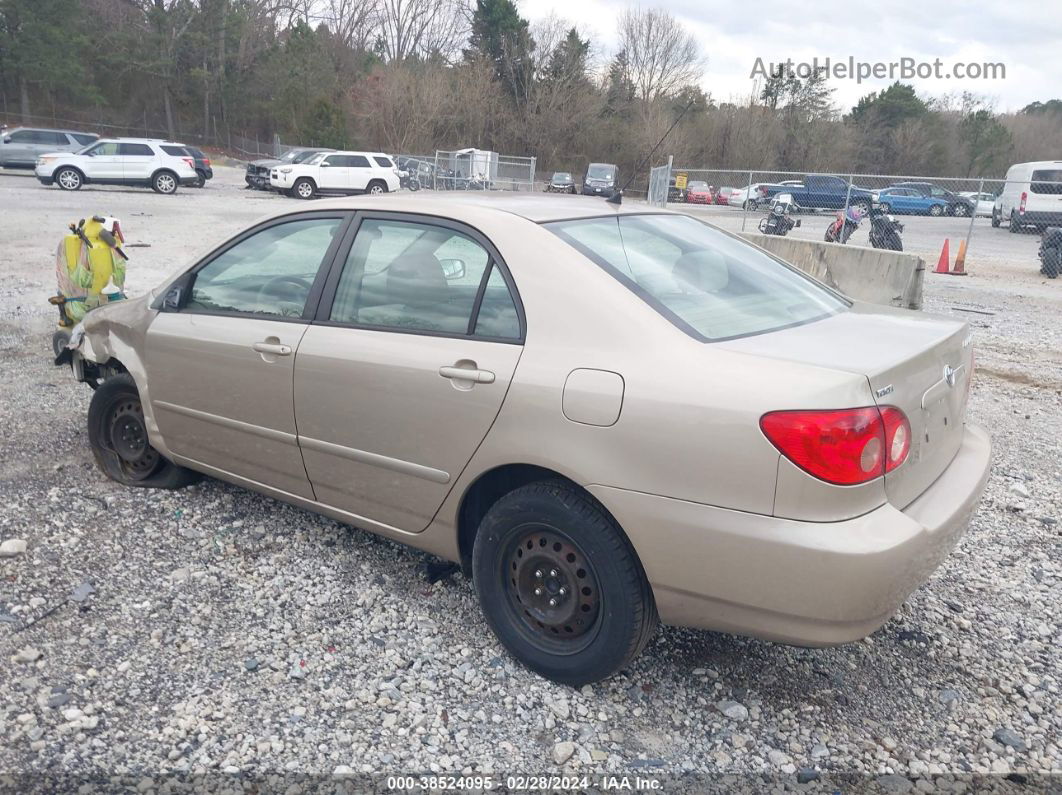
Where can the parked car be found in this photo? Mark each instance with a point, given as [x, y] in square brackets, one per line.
[752, 196]
[477, 376]
[722, 195]
[21, 146]
[120, 161]
[561, 182]
[600, 179]
[909, 200]
[957, 205]
[258, 171]
[983, 203]
[201, 163]
[826, 192]
[1031, 196]
[698, 192]
[336, 173]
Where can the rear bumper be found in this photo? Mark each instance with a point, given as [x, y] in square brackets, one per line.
[1040, 218]
[804, 583]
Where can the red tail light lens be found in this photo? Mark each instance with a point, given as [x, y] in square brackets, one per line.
[206, 161]
[844, 446]
[190, 161]
[1024, 198]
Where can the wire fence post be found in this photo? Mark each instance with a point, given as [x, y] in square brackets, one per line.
[745, 204]
[534, 161]
[969, 230]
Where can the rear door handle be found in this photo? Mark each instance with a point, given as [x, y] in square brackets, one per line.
[466, 374]
[272, 347]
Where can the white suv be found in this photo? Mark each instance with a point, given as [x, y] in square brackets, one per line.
[120, 161]
[336, 173]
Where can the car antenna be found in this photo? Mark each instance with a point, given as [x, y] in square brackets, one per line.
[617, 195]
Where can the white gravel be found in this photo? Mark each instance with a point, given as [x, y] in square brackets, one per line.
[216, 631]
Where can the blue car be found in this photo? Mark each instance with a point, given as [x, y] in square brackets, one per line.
[908, 200]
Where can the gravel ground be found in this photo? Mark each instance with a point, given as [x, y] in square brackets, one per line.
[214, 631]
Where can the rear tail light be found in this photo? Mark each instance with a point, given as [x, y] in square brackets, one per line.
[190, 161]
[844, 446]
[206, 161]
[1024, 198]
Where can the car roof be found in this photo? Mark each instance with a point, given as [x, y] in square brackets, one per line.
[466, 205]
[10, 130]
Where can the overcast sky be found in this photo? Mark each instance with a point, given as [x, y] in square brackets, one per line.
[1024, 35]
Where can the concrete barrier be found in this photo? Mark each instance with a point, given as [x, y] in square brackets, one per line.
[866, 274]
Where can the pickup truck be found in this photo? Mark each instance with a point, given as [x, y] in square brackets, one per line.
[825, 192]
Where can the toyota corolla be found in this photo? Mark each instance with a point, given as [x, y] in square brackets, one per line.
[608, 415]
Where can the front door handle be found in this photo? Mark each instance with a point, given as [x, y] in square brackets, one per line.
[467, 374]
[273, 348]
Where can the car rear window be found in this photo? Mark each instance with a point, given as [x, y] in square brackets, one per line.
[84, 139]
[176, 151]
[358, 161]
[709, 284]
[1046, 181]
[141, 150]
[383, 162]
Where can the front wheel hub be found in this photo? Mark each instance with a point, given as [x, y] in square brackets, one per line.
[129, 438]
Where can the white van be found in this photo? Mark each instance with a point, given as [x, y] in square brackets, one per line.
[1032, 196]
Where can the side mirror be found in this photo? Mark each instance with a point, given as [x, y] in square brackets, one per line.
[325, 164]
[453, 269]
[176, 296]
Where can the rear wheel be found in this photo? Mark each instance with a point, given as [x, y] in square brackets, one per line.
[376, 187]
[1015, 225]
[960, 210]
[119, 439]
[304, 189]
[560, 584]
[996, 221]
[886, 207]
[862, 205]
[201, 178]
[164, 182]
[1052, 262]
[69, 179]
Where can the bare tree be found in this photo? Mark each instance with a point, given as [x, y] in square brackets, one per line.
[421, 27]
[662, 57]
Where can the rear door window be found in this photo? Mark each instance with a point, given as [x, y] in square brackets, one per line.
[358, 161]
[138, 150]
[83, 139]
[1046, 181]
[176, 151]
[709, 284]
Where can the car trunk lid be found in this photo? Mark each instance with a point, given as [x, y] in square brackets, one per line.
[918, 363]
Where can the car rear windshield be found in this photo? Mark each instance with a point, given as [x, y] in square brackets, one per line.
[1046, 181]
[176, 151]
[712, 286]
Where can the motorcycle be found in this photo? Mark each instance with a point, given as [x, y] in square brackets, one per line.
[777, 221]
[885, 230]
[407, 176]
[1051, 252]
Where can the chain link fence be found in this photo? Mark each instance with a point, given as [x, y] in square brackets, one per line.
[481, 169]
[961, 219]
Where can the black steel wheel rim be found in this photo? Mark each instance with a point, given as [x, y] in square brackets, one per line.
[552, 589]
[128, 437]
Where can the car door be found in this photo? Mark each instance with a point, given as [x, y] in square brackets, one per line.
[405, 368]
[102, 162]
[360, 172]
[219, 363]
[138, 161]
[20, 147]
[334, 173]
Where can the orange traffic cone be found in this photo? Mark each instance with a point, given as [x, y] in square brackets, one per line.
[960, 260]
[943, 264]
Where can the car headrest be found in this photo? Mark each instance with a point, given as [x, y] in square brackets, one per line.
[703, 270]
[417, 280]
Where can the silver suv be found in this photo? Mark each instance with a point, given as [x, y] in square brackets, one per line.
[20, 147]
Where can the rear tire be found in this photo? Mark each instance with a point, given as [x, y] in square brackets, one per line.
[960, 211]
[376, 187]
[1015, 226]
[1052, 262]
[202, 179]
[164, 182]
[304, 189]
[118, 436]
[885, 207]
[560, 584]
[996, 221]
[69, 179]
